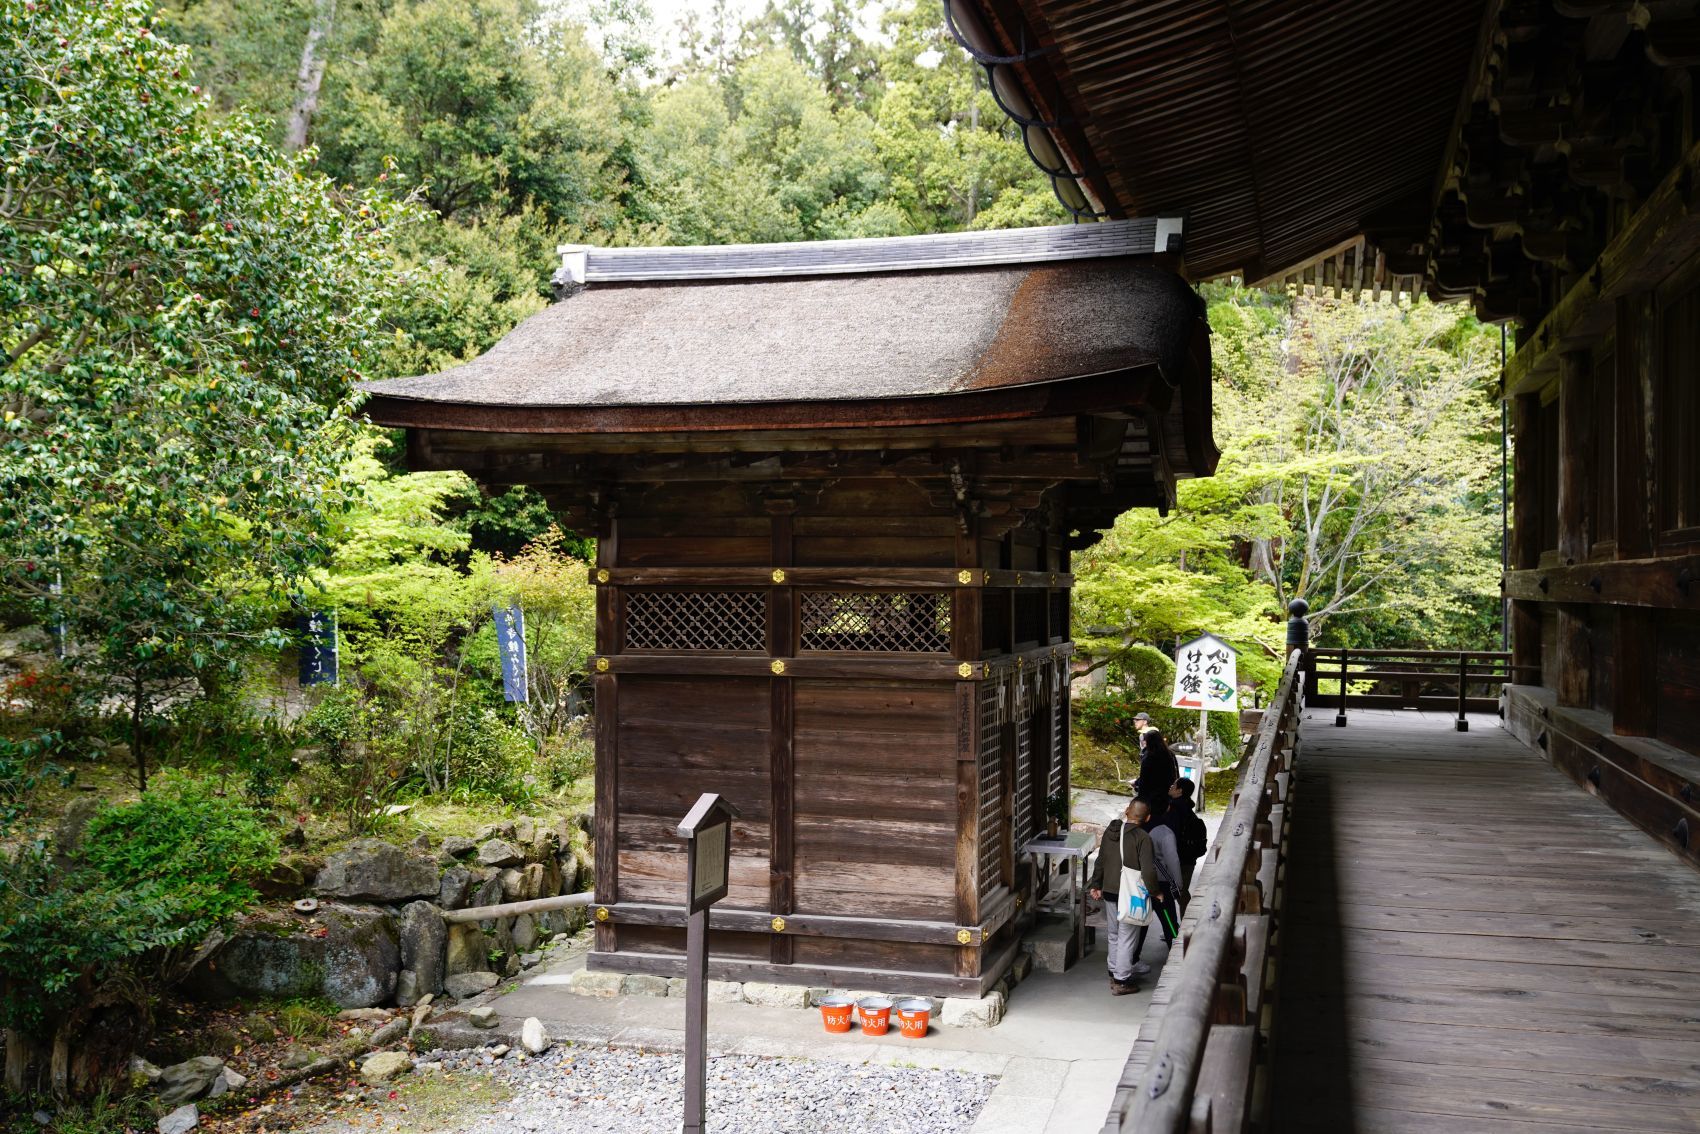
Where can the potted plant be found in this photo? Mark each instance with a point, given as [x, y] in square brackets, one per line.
[1056, 812]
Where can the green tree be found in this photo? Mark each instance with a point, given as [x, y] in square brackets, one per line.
[485, 104]
[1383, 427]
[182, 313]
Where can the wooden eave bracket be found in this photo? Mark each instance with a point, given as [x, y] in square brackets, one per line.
[1662, 236]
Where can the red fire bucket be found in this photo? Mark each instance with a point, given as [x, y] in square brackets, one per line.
[835, 1013]
[876, 1015]
[913, 1016]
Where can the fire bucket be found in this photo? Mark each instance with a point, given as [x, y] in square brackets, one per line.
[913, 1016]
[835, 1013]
[876, 1015]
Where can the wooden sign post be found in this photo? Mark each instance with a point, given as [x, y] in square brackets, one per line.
[708, 834]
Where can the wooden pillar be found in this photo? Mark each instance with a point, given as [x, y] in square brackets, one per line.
[782, 638]
[1575, 454]
[965, 646]
[1634, 680]
[606, 708]
[1634, 472]
[1525, 536]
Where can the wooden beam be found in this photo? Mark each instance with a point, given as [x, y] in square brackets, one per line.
[727, 919]
[851, 578]
[1664, 583]
[831, 976]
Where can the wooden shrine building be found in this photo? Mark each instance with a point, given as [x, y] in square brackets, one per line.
[835, 489]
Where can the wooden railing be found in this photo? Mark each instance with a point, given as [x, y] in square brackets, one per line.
[1200, 1053]
[1409, 679]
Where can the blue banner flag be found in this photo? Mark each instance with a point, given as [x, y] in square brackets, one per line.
[510, 643]
[318, 647]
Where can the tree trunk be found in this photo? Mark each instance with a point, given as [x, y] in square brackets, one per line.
[308, 77]
[59, 1074]
[138, 711]
[19, 1049]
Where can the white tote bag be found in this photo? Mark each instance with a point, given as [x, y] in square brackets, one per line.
[1133, 901]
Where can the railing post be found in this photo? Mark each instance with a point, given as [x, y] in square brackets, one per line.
[1340, 717]
[1463, 678]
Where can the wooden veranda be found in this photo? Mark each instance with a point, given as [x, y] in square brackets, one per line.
[1407, 928]
[1470, 943]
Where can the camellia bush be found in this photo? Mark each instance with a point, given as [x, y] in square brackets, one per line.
[90, 934]
[183, 315]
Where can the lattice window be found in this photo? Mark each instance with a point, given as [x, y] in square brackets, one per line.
[734, 621]
[893, 622]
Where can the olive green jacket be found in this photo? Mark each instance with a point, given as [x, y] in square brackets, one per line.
[1107, 871]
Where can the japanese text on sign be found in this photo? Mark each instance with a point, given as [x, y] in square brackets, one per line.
[510, 643]
[1206, 676]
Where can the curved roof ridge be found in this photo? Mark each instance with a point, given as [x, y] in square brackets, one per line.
[1138, 236]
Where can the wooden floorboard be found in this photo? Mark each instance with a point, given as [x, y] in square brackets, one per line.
[1472, 943]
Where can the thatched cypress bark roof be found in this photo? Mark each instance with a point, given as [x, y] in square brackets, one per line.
[827, 338]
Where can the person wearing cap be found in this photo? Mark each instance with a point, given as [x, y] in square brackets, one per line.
[1141, 722]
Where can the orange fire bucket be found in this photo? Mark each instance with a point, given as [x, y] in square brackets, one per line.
[913, 1016]
[876, 1015]
[835, 1013]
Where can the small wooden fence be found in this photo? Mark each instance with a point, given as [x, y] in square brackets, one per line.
[1203, 1048]
[1409, 679]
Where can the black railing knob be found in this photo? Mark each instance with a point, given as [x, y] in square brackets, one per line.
[1596, 583]
[1686, 791]
[1680, 831]
[1594, 775]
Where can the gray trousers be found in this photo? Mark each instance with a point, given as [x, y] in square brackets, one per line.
[1120, 941]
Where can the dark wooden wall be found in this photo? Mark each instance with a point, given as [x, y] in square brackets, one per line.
[874, 677]
[1605, 577]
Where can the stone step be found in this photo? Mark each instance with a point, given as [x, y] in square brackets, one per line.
[1052, 942]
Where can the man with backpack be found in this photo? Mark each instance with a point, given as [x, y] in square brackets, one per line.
[1192, 839]
[1125, 841]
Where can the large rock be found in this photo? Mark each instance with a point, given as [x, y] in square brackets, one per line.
[468, 951]
[180, 1121]
[462, 986]
[972, 1012]
[523, 933]
[533, 1038]
[385, 1066]
[68, 832]
[499, 852]
[424, 941]
[355, 964]
[456, 885]
[189, 1080]
[776, 995]
[375, 871]
[525, 830]
[458, 846]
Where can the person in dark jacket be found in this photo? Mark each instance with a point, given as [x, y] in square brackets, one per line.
[1157, 771]
[1191, 837]
[1123, 836]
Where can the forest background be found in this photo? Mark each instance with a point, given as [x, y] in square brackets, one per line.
[220, 215]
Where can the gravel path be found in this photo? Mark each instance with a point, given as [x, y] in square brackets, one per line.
[569, 1090]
